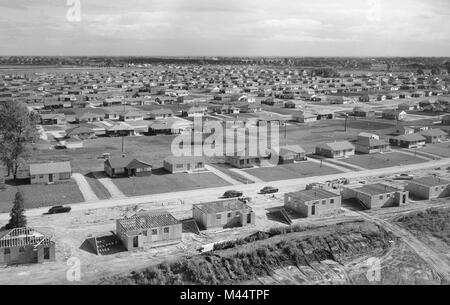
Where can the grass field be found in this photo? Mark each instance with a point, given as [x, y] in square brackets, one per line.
[163, 183]
[375, 161]
[84, 160]
[39, 195]
[440, 149]
[291, 171]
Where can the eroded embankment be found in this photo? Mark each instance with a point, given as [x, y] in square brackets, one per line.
[264, 252]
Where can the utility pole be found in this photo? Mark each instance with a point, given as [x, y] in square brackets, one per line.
[346, 118]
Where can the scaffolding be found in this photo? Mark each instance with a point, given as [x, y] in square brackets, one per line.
[22, 237]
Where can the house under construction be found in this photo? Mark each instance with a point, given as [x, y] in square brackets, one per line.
[25, 246]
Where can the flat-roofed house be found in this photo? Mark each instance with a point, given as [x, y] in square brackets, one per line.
[433, 135]
[367, 143]
[223, 213]
[414, 140]
[151, 228]
[315, 202]
[159, 114]
[364, 112]
[291, 153]
[394, 114]
[429, 187]
[376, 195]
[50, 172]
[336, 149]
[304, 117]
[184, 164]
[25, 246]
[53, 119]
[126, 166]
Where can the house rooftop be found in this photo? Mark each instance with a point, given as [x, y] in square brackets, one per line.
[376, 189]
[315, 194]
[335, 146]
[221, 206]
[50, 168]
[148, 220]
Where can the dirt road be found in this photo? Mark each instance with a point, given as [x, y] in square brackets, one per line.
[209, 194]
[432, 258]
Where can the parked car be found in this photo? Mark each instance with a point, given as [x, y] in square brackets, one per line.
[268, 190]
[57, 209]
[404, 177]
[232, 194]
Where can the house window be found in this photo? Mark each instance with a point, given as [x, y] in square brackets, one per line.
[229, 215]
[218, 216]
[166, 230]
[47, 253]
[388, 195]
[154, 231]
[436, 189]
[324, 202]
[332, 201]
[7, 251]
[179, 165]
[41, 176]
[381, 197]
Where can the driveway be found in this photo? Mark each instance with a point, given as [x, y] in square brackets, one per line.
[84, 187]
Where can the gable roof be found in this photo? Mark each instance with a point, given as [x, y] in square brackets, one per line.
[335, 146]
[221, 206]
[50, 168]
[126, 162]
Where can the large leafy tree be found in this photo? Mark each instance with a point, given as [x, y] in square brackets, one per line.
[17, 133]
[17, 214]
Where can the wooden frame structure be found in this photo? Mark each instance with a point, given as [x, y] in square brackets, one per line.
[21, 237]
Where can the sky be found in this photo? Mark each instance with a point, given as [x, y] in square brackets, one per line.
[225, 27]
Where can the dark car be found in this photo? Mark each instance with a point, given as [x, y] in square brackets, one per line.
[232, 194]
[57, 209]
[268, 190]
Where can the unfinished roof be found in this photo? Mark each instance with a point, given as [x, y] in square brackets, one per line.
[21, 237]
[310, 195]
[50, 168]
[430, 181]
[376, 189]
[222, 206]
[148, 220]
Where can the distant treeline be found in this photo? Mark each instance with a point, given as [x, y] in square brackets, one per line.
[299, 62]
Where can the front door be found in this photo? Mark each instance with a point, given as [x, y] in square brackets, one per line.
[50, 178]
[189, 167]
[313, 210]
[135, 241]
